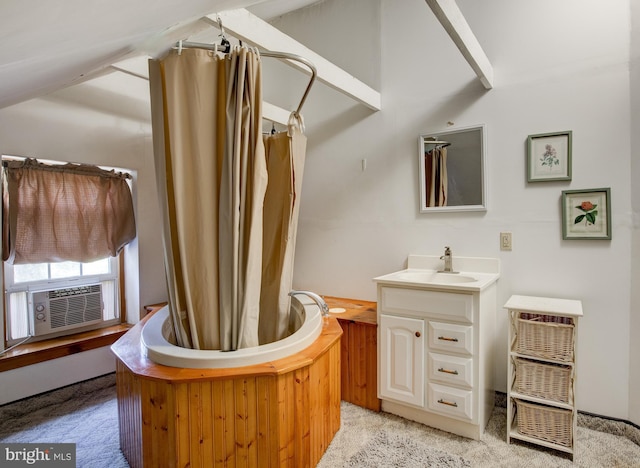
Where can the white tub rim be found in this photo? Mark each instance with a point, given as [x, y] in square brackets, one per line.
[158, 349]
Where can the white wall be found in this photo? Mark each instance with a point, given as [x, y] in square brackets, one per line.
[108, 130]
[634, 329]
[558, 66]
[23, 382]
[86, 124]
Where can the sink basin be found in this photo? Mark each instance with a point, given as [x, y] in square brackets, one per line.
[434, 277]
[424, 271]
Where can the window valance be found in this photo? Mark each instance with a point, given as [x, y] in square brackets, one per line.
[66, 212]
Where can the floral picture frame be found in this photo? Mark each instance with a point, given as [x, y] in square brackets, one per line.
[586, 214]
[549, 156]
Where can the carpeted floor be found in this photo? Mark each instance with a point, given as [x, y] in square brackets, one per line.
[86, 414]
[595, 449]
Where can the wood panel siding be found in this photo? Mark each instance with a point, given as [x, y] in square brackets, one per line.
[359, 350]
[278, 414]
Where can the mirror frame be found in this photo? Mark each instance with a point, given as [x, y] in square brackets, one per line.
[483, 178]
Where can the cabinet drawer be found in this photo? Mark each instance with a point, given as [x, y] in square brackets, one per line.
[451, 337]
[450, 401]
[451, 369]
[454, 306]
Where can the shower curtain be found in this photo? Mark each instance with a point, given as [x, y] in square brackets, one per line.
[285, 162]
[436, 177]
[212, 176]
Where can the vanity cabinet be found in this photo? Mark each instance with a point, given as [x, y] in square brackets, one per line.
[434, 351]
[541, 371]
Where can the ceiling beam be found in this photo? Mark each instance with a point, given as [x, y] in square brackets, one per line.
[135, 66]
[138, 67]
[454, 22]
[249, 28]
[276, 114]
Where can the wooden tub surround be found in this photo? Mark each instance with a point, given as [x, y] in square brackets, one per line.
[282, 413]
[359, 350]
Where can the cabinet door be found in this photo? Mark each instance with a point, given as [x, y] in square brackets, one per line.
[402, 359]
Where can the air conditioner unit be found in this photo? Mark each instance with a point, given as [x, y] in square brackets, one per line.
[59, 310]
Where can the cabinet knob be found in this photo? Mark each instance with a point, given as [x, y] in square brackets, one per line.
[418, 334]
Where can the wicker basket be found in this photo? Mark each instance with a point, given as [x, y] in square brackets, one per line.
[542, 337]
[544, 422]
[543, 380]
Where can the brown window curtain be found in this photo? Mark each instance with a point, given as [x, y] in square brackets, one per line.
[70, 212]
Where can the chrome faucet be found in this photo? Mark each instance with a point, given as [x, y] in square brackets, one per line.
[324, 308]
[447, 261]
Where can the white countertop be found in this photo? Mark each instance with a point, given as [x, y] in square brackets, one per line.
[399, 278]
[472, 274]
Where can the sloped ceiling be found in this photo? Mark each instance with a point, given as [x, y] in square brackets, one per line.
[49, 45]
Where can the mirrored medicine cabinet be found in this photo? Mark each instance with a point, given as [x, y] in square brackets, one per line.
[452, 170]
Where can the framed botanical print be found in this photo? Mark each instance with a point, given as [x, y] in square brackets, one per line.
[586, 214]
[549, 157]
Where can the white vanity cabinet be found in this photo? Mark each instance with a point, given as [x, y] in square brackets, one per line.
[435, 348]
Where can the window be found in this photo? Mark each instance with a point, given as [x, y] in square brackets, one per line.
[54, 212]
[22, 281]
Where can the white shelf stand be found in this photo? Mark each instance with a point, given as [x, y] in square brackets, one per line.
[542, 371]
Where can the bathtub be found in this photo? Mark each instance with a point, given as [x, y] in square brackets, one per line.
[158, 341]
[272, 405]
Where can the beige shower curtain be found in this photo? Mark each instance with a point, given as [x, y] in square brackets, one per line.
[212, 178]
[285, 161]
[436, 177]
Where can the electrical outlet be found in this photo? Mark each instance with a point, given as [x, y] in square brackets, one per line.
[505, 241]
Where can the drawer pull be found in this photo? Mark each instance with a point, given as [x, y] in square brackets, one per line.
[418, 334]
[448, 371]
[446, 338]
[448, 403]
